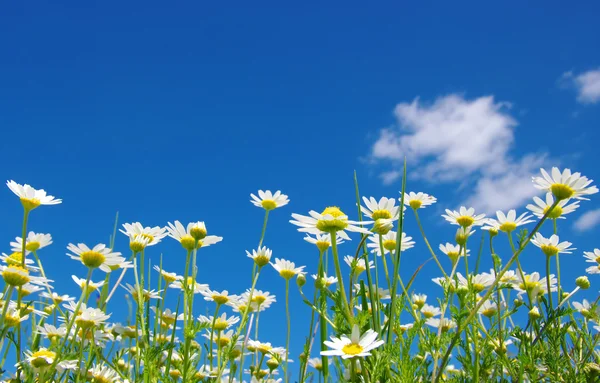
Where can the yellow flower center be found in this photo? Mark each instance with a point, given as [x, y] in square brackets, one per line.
[389, 244]
[30, 203]
[198, 232]
[174, 373]
[39, 359]
[264, 348]
[555, 213]
[137, 246]
[15, 258]
[223, 341]
[188, 242]
[352, 349]
[378, 214]
[268, 204]
[415, 204]
[507, 227]
[323, 245]
[235, 353]
[478, 287]
[15, 276]
[287, 274]
[465, 220]
[168, 278]
[220, 299]
[272, 363]
[528, 285]
[489, 312]
[427, 314]
[562, 191]
[340, 221]
[12, 321]
[549, 250]
[92, 259]
[259, 299]
[32, 246]
[220, 324]
[453, 255]
[261, 260]
[85, 323]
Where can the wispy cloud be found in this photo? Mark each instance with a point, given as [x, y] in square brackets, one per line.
[455, 139]
[588, 221]
[587, 85]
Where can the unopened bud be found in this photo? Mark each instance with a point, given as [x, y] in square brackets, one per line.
[583, 283]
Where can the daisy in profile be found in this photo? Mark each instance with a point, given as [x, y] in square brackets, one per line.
[592, 256]
[51, 332]
[541, 207]
[30, 197]
[533, 284]
[551, 246]
[331, 220]
[92, 286]
[150, 235]
[33, 242]
[444, 323]
[565, 185]
[268, 200]
[16, 259]
[429, 311]
[98, 257]
[418, 200]
[585, 308]
[356, 345]
[262, 299]
[41, 359]
[219, 298]
[168, 277]
[193, 236]
[316, 363]
[452, 251]
[91, 317]
[192, 285]
[325, 281]
[261, 256]
[509, 222]
[389, 243]
[146, 294]
[359, 266]
[385, 208]
[57, 298]
[323, 241]
[464, 217]
[103, 373]
[221, 323]
[286, 269]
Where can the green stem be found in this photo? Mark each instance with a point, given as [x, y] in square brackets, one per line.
[548, 285]
[264, 228]
[338, 272]
[387, 275]
[289, 328]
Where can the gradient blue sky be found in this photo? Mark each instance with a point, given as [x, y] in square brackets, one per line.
[180, 110]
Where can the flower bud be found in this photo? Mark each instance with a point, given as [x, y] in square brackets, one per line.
[383, 226]
[300, 280]
[583, 283]
[534, 313]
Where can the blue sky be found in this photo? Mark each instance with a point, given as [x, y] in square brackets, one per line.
[181, 110]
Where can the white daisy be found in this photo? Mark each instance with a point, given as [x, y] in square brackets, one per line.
[98, 257]
[389, 243]
[323, 241]
[464, 217]
[331, 220]
[452, 251]
[268, 200]
[91, 317]
[30, 197]
[92, 286]
[325, 281]
[419, 300]
[429, 311]
[384, 209]
[168, 277]
[17, 276]
[150, 235]
[192, 285]
[264, 299]
[355, 346]
[592, 256]
[359, 267]
[551, 246]
[445, 323]
[565, 185]
[219, 298]
[33, 242]
[585, 308]
[261, 256]
[418, 200]
[533, 284]
[286, 269]
[221, 323]
[189, 236]
[147, 294]
[541, 207]
[41, 359]
[509, 222]
[57, 298]
[103, 373]
[52, 332]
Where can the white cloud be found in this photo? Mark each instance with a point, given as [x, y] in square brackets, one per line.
[588, 220]
[457, 139]
[587, 85]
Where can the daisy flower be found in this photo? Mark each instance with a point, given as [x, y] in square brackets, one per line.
[541, 207]
[191, 285]
[565, 185]
[57, 298]
[418, 200]
[389, 243]
[316, 363]
[429, 311]
[33, 242]
[30, 197]
[17, 276]
[584, 308]
[592, 256]
[90, 317]
[445, 324]
[325, 281]
[190, 236]
[464, 217]
[384, 209]
[463, 234]
[168, 316]
[51, 332]
[359, 267]
[219, 298]
[533, 284]
[98, 257]
[331, 220]
[168, 277]
[221, 323]
[323, 241]
[13, 316]
[452, 251]
[286, 269]
[150, 235]
[263, 299]
[261, 256]
[16, 259]
[41, 359]
[356, 345]
[510, 221]
[92, 286]
[419, 300]
[268, 200]
[489, 309]
[147, 294]
[551, 246]
[103, 373]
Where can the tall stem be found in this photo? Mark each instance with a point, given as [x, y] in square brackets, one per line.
[338, 272]
[289, 328]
